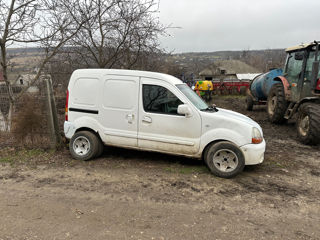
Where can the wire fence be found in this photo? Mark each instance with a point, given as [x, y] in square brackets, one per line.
[35, 118]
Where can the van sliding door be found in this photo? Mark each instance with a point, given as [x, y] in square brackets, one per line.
[119, 110]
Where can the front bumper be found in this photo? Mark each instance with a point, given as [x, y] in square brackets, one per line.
[254, 153]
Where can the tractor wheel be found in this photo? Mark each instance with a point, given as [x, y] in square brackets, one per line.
[277, 104]
[308, 123]
[249, 103]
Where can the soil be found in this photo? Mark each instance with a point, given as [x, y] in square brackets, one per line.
[127, 194]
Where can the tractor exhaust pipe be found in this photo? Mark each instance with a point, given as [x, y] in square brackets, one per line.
[315, 67]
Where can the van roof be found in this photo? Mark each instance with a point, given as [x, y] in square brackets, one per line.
[155, 75]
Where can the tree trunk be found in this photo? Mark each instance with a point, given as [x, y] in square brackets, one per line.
[8, 118]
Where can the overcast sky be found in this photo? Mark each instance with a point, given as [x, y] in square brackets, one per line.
[213, 25]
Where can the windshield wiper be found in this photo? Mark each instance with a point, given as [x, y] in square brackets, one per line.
[210, 108]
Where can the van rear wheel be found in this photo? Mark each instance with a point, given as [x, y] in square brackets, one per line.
[100, 148]
[224, 159]
[84, 145]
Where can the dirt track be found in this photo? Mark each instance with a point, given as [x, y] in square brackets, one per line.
[138, 195]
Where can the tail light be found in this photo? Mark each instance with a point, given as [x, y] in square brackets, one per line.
[318, 85]
[67, 103]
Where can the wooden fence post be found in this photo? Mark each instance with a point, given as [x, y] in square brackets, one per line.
[52, 115]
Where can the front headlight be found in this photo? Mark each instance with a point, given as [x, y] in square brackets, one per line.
[256, 136]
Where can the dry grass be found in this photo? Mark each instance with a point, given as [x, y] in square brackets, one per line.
[29, 124]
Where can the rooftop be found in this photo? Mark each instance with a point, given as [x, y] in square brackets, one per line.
[229, 67]
[301, 46]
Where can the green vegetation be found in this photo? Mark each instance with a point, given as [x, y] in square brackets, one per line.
[5, 159]
[14, 156]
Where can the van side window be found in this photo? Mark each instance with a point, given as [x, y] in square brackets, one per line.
[157, 99]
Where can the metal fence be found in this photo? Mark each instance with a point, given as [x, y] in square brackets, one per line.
[35, 120]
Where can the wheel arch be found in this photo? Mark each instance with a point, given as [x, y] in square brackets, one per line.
[215, 142]
[308, 100]
[285, 84]
[86, 123]
[236, 136]
[209, 144]
[89, 130]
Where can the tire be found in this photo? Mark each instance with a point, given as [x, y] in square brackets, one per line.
[100, 148]
[277, 104]
[84, 145]
[249, 103]
[224, 159]
[308, 123]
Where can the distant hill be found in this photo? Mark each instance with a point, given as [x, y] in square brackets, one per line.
[24, 50]
[186, 63]
[263, 60]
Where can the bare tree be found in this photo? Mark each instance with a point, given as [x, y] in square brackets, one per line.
[264, 60]
[117, 33]
[42, 23]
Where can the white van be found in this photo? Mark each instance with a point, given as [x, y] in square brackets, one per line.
[156, 112]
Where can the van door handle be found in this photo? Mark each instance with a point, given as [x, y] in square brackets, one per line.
[130, 117]
[147, 119]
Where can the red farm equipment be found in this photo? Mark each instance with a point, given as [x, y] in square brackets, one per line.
[230, 86]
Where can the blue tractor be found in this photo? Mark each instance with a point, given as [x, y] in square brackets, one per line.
[293, 91]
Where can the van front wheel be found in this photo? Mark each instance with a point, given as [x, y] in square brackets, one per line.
[84, 145]
[224, 159]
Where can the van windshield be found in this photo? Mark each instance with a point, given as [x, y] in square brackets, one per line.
[192, 96]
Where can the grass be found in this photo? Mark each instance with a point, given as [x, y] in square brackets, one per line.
[274, 163]
[33, 152]
[14, 156]
[5, 159]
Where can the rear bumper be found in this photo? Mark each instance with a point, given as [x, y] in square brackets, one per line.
[254, 153]
[69, 129]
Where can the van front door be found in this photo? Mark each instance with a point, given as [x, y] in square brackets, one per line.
[119, 114]
[161, 128]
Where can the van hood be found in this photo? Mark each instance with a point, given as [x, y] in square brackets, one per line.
[229, 125]
[229, 115]
[238, 116]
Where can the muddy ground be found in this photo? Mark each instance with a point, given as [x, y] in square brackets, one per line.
[128, 194]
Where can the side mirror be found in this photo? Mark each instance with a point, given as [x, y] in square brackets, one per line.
[184, 109]
[314, 74]
[298, 56]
